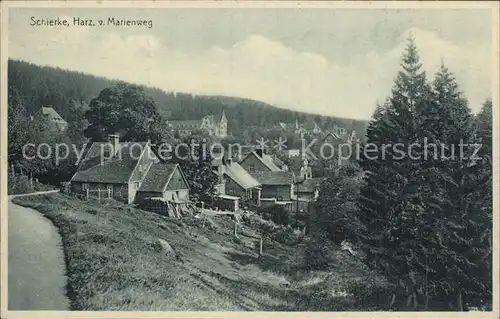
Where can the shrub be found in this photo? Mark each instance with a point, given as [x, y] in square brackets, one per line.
[286, 235]
[372, 292]
[18, 184]
[316, 254]
[276, 213]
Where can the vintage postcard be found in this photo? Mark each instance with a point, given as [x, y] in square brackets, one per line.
[213, 159]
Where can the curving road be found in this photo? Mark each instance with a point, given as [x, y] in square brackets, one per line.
[36, 262]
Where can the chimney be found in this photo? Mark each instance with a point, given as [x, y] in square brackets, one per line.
[114, 140]
[259, 152]
[226, 160]
[221, 169]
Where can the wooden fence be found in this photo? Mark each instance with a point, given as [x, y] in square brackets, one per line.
[98, 194]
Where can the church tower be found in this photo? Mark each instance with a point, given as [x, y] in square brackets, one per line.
[223, 125]
[305, 170]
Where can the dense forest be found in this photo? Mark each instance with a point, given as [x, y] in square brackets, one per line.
[67, 91]
[423, 219]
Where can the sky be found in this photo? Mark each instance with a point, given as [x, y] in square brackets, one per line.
[337, 62]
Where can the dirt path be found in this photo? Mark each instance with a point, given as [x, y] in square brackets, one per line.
[36, 262]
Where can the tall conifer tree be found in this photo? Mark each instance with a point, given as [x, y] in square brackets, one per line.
[390, 201]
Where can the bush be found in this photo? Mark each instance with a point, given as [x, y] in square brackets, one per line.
[316, 256]
[18, 185]
[374, 292]
[276, 213]
[287, 236]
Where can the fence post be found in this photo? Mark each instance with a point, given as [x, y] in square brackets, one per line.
[99, 194]
[87, 194]
[109, 193]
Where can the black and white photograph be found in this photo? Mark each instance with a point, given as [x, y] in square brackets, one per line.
[201, 159]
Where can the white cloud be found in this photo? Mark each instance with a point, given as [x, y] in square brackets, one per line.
[259, 68]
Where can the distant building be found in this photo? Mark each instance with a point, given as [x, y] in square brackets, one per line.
[208, 123]
[292, 152]
[340, 134]
[310, 127]
[51, 118]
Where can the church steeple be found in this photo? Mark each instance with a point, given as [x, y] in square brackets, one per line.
[223, 117]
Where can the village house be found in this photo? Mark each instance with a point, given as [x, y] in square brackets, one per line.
[166, 181]
[49, 116]
[306, 188]
[257, 161]
[127, 171]
[277, 188]
[242, 152]
[235, 183]
[216, 128]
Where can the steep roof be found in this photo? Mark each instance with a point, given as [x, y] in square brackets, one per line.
[223, 117]
[333, 135]
[277, 161]
[274, 178]
[269, 162]
[99, 166]
[240, 176]
[158, 177]
[266, 160]
[52, 114]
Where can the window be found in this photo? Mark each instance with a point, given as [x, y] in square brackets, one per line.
[110, 190]
[85, 186]
[136, 185]
[252, 168]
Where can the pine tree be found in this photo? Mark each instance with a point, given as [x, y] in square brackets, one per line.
[18, 124]
[478, 289]
[445, 122]
[390, 199]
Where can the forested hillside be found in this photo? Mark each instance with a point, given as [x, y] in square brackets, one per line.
[66, 91]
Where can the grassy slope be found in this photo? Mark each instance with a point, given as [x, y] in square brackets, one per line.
[113, 263]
